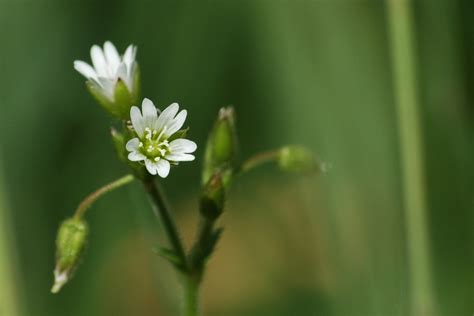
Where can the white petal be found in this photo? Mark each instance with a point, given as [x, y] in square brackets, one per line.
[112, 57]
[163, 168]
[166, 116]
[180, 157]
[136, 156]
[149, 112]
[181, 146]
[150, 166]
[85, 69]
[129, 56]
[99, 62]
[132, 144]
[137, 120]
[129, 77]
[176, 123]
[122, 72]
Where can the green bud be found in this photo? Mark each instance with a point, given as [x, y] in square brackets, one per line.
[213, 197]
[70, 244]
[297, 159]
[221, 148]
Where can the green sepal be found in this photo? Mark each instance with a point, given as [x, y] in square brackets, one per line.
[70, 245]
[71, 241]
[123, 100]
[103, 101]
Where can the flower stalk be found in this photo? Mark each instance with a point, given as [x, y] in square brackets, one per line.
[94, 196]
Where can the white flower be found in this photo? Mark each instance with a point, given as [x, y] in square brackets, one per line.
[155, 144]
[109, 67]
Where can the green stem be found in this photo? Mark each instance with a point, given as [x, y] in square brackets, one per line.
[91, 198]
[191, 296]
[161, 210]
[259, 159]
[197, 253]
[404, 71]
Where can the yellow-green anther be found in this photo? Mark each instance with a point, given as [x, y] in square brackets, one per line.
[221, 149]
[297, 159]
[70, 244]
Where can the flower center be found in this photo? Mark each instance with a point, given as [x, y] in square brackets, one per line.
[153, 144]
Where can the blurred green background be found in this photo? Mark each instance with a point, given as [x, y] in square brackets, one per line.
[316, 73]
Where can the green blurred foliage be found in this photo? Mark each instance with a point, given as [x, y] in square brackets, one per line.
[316, 73]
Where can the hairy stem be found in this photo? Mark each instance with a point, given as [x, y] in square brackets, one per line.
[259, 159]
[91, 198]
[191, 296]
[404, 71]
[161, 210]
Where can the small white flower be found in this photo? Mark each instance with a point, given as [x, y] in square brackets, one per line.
[155, 144]
[108, 67]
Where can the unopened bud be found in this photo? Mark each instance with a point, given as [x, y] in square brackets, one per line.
[297, 159]
[212, 199]
[221, 149]
[70, 244]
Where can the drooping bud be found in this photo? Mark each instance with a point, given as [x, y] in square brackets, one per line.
[297, 159]
[70, 244]
[221, 148]
[212, 198]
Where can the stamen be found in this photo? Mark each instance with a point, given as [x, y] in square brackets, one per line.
[161, 133]
[157, 159]
[164, 143]
[140, 144]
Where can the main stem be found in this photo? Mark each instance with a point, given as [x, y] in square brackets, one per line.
[190, 282]
[191, 295]
[404, 71]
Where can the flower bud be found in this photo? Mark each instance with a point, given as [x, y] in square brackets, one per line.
[221, 149]
[70, 244]
[297, 159]
[212, 198]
